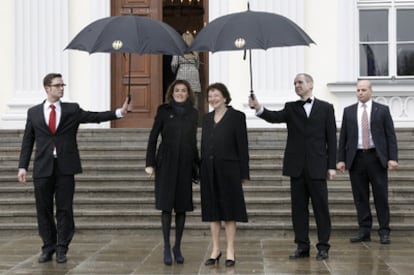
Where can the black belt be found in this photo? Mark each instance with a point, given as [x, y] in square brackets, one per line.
[369, 150]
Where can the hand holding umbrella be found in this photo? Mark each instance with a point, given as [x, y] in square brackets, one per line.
[124, 109]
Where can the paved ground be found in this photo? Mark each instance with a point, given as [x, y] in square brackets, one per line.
[256, 253]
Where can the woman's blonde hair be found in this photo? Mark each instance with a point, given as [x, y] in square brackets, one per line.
[188, 38]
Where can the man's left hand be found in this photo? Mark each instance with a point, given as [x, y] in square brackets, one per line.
[331, 174]
[124, 109]
[392, 165]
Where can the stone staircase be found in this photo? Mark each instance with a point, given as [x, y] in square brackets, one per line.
[114, 193]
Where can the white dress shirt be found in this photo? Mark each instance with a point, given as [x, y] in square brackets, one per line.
[46, 112]
[308, 106]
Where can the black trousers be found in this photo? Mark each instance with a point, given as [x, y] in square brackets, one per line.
[55, 235]
[302, 188]
[367, 170]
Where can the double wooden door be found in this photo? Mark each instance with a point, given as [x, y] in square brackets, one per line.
[145, 79]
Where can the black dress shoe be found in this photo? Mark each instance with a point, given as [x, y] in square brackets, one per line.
[45, 257]
[360, 238]
[299, 253]
[212, 261]
[385, 239]
[230, 263]
[322, 255]
[61, 257]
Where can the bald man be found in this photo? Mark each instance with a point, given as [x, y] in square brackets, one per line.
[368, 155]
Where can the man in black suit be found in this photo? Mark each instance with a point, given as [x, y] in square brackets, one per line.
[367, 157]
[309, 160]
[53, 126]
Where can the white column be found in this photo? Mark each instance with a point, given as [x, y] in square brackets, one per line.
[218, 62]
[90, 74]
[348, 43]
[275, 68]
[40, 30]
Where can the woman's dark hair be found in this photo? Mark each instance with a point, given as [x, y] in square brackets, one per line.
[169, 95]
[222, 89]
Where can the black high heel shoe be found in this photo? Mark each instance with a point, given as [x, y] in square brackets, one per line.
[167, 255]
[212, 261]
[230, 263]
[179, 259]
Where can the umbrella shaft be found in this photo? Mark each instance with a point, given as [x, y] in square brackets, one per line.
[129, 78]
[251, 73]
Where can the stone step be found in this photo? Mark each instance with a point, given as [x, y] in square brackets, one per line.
[113, 165]
[152, 215]
[250, 190]
[274, 225]
[114, 193]
[136, 202]
[118, 137]
[259, 181]
[96, 180]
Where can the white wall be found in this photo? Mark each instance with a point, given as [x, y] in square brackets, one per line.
[36, 32]
[321, 59]
[332, 61]
[89, 74]
[6, 54]
[229, 67]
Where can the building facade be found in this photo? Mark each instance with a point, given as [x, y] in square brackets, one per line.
[354, 39]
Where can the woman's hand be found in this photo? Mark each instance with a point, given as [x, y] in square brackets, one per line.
[149, 170]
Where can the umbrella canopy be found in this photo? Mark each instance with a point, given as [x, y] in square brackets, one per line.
[129, 34]
[249, 30]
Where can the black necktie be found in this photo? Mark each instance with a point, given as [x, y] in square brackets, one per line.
[309, 100]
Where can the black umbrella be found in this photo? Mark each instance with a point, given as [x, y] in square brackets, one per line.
[129, 34]
[249, 30]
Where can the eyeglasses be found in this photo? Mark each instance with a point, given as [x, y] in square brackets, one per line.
[57, 85]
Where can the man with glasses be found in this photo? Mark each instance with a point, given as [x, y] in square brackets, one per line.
[53, 126]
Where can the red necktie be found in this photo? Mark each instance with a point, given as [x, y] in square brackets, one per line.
[365, 128]
[52, 119]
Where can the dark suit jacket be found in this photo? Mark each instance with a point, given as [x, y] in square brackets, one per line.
[224, 164]
[382, 130]
[227, 143]
[311, 141]
[176, 158]
[64, 139]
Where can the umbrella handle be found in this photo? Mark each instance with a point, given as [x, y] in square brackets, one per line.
[251, 77]
[252, 97]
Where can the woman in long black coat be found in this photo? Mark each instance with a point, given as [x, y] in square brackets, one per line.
[224, 167]
[175, 163]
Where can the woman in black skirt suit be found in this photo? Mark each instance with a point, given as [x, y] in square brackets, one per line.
[175, 162]
[224, 167]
